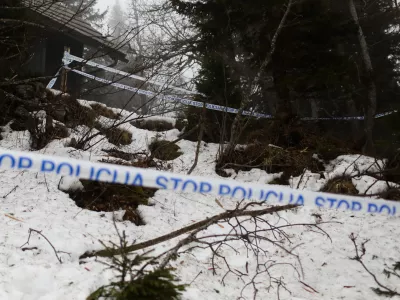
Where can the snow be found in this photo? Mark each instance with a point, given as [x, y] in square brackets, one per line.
[353, 164]
[55, 92]
[70, 184]
[170, 120]
[38, 201]
[310, 181]
[256, 176]
[87, 103]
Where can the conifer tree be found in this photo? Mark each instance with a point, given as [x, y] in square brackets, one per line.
[318, 64]
[87, 10]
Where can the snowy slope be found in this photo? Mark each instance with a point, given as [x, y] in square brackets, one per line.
[31, 200]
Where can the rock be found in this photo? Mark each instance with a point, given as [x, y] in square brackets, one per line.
[21, 112]
[25, 91]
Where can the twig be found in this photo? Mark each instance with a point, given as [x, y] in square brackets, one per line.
[301, 178]
[387, 291]
[12, 217]
[45, 180]
[309, 286]
[5, 196]
[40, 233]
[29, 248]
[195, 277]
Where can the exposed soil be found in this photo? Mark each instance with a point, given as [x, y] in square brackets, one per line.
[99, 196]
[340, 185]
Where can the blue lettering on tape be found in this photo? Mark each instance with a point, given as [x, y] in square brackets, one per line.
[91, 173]
[205, 187]
[176, 181]
[242, 192]
[343, 203]
[24, 163]
[162, 181]
[69, 166]
[265, 195]
[78, 170]
[385, 207]
[10, 157]
[332, 202]
[356, 206]
[179, 184]
[300, 200]
[224, 190]
[97, 174]
[138, 180]
[319, 201]
[188, 183]
[47, 166]
[372, 208]
[127, 177]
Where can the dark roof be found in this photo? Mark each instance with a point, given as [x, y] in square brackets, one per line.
[56, 14]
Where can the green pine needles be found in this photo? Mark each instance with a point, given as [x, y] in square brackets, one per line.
[155, 285]
[135, 282]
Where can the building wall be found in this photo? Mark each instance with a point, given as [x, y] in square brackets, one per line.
[35, 64]
[55, 51]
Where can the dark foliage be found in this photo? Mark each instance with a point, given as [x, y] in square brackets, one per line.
[317, 59]
[164, 150]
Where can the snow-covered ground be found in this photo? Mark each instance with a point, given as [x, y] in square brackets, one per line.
[326, 271]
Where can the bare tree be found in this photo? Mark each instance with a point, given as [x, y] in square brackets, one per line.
[253, 88]
[371, 104]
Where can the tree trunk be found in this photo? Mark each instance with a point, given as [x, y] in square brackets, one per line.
[314, 106]
[352, 111]
[371, 104]
[199, 140]
[234, 137]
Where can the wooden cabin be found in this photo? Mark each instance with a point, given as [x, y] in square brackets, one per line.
[61, 30]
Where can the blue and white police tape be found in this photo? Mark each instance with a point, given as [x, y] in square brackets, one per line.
[66, 61]
[54, 79]
[71, 57]
[68, 58]
[170, 98]
[270, 194]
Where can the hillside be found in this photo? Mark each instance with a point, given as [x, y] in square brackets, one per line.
[318, 266]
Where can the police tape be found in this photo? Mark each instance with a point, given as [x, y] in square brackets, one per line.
[70, 57]
[54, 79]
[169, 97]
[110, 173]
[208, 105]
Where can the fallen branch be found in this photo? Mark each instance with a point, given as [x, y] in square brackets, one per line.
[225, 215]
